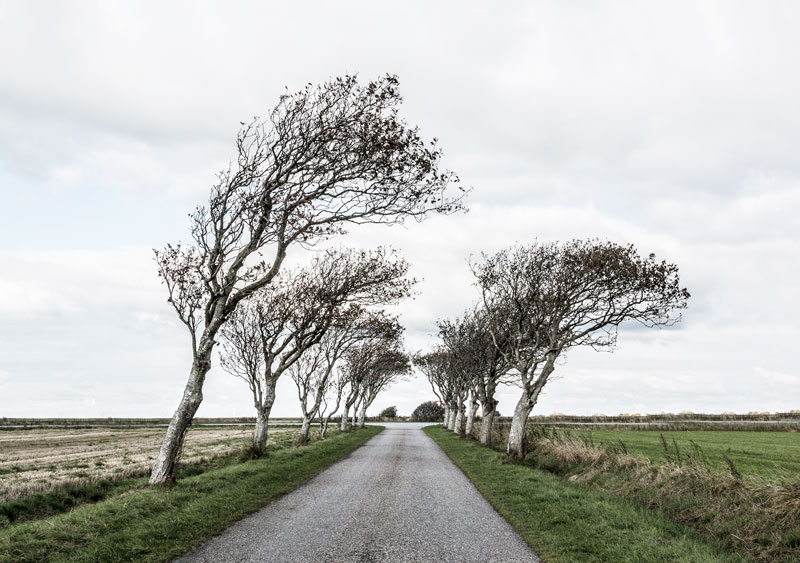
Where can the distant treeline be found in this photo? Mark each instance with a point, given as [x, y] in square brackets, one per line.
[683, 416]
[773, 420]
[6, 422]
[91, 422]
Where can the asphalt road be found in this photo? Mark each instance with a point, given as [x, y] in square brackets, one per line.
[398, 498]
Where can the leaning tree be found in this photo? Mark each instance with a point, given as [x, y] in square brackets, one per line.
[461, 370]
[294, 313]
[313, 373]
[325, 156]
[547, 298]
[435, 366]
[370, 367]
[477, 347]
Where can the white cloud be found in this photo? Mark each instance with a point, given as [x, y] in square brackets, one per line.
[671, 126]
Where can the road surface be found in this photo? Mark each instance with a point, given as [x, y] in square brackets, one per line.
[398, 498]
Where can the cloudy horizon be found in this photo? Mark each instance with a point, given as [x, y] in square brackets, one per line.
[673, 127]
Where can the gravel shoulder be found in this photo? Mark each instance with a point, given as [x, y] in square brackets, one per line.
[398, 498]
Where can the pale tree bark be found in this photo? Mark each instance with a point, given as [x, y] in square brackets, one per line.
[305, 429]
[261, 431]
[263, 411]
[473, 408]
[343, 425]
[446, 422]
[362, 416]
[516, 436]
[487, 420]
[458, 426]
[530, 394]
[168, 456]
[451, 425]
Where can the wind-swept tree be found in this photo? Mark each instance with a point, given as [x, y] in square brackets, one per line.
[550, 297]
[370, 367]
[388, 366]
[325, 156]
[478, 354]
[313, 373]
[435, 366]
[295, 312]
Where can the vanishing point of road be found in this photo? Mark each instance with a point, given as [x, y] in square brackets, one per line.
[398, 498]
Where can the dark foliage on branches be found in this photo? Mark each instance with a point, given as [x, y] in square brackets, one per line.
[324, 157]
[429, 410]
[548, 297]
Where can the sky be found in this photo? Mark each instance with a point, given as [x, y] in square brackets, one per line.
[673, 126]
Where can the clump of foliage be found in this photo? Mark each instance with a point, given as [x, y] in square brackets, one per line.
[429, 410]
[389, 412]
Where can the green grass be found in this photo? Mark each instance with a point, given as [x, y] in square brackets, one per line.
[568, 522]
[158, 524]
[765, 454]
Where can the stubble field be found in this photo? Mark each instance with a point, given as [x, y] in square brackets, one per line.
[45, 459]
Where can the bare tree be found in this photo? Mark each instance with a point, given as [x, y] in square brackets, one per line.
[387, 367]
[326, 411]
[550, 297]
[313, 371]
[434, 365]
[370, 366]
[296, 311]
[325, 156]
[477, 355]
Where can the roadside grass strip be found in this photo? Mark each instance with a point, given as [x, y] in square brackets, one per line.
[569, 522]
[160, 523]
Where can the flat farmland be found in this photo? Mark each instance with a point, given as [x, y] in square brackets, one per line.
[44, 459]
[765, 454]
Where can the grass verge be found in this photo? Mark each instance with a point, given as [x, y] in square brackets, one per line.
[158, 524]
[569, 522]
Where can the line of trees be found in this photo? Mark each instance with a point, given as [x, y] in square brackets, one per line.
[537, 302]
[325, 157]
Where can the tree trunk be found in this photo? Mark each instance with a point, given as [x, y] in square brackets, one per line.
[261, 430]
[305, 429]
[446, 417]
[516, 436]
[343, 425]
[473, 408]
[489, 408]
[362, 416]
[458, 426]
[172, 446]
[453, 415]
[262, 417]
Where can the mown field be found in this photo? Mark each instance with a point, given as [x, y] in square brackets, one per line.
[765, 454]
[45, 459]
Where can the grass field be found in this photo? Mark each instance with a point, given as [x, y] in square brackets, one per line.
[153, 524]
[750, 503]
[45, 459]
[567, 522]
[769, 455]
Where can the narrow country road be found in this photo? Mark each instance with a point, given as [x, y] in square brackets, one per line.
[398, 498]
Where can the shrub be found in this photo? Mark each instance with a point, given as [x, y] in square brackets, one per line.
[389, 412]
[429, 409]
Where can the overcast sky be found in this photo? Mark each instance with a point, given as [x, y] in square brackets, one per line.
[674, 126]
